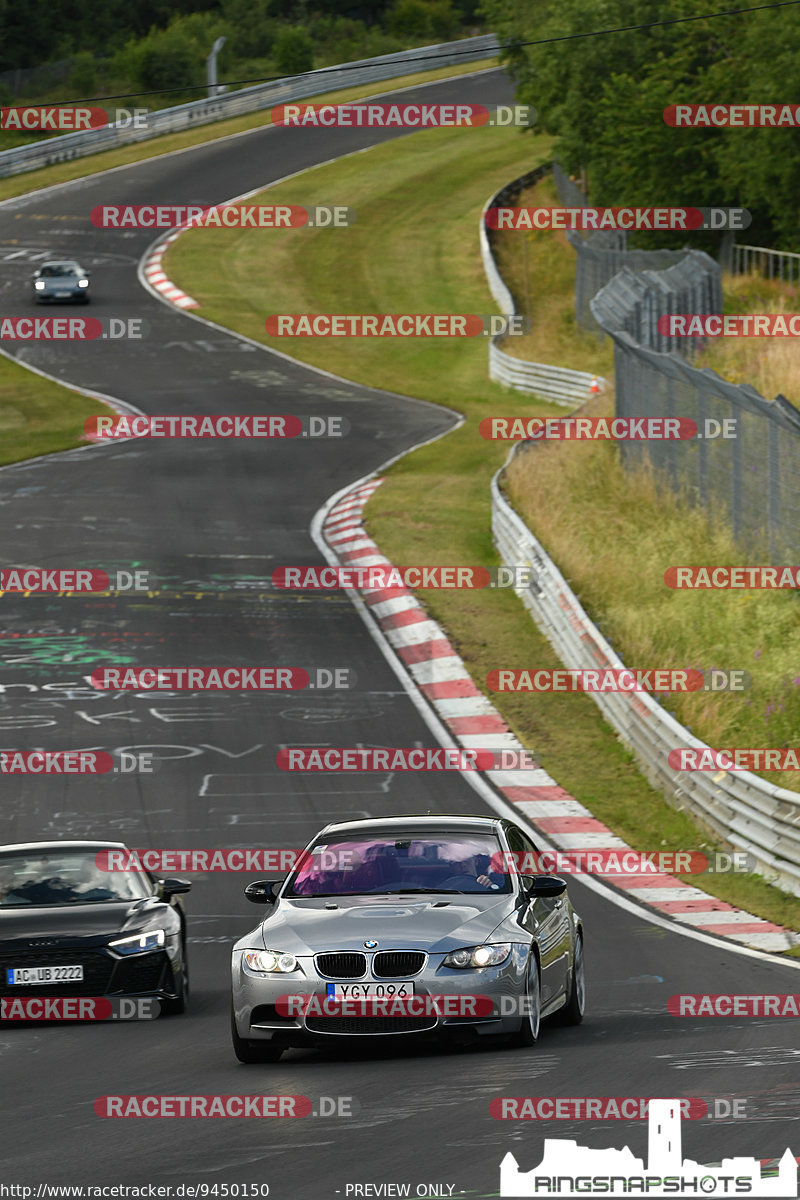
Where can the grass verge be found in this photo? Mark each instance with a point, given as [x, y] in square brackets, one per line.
[435, 506]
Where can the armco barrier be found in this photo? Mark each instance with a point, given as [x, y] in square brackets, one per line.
[560, 384]
[743, 811]
[232, 104]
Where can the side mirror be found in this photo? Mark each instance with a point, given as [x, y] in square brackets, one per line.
[536, 886]
[263, 891]
[167, 888]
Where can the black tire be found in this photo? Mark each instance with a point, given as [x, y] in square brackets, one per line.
[178, 1005]
[248, 1051]
[531, 1021]
[573, 1010]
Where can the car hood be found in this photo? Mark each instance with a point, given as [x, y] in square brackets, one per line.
[94, 922]
[436, 925]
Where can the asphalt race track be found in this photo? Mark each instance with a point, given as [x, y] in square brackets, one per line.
[209, 520]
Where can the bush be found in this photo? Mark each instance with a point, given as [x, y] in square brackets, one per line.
[424, 20]
[293, 51]
[83, 77]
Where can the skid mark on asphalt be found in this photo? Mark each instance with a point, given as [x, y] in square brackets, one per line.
[711, 1060]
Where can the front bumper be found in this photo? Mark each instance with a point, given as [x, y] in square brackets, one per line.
[260, 1017]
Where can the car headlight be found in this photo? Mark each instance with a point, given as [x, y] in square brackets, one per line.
[479, 956]
[140, 943]
[83, 283]
[270, 962]
[40, 285]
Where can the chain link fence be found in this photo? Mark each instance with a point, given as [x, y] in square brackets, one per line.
[602, 254]
[745, 474]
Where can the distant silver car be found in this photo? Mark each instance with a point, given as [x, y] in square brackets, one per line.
[407, 925]
[63, 280]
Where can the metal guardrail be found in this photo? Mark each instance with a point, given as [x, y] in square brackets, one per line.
[231, 104]
[560, 384]
[743, 811]
[770, 263]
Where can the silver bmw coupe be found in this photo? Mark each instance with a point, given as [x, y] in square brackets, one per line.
[407, 925]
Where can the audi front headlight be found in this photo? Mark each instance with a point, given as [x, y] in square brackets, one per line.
[270, 962]
[140, 943]
[479, 956]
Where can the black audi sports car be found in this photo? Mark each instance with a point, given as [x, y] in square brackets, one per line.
[69, 926]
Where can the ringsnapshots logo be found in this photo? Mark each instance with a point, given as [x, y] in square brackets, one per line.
[395, 325]
[632, 220]
[402, 116]
[221, 216]
[569, 1170]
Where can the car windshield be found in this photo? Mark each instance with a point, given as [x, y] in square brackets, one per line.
[449, 862]
[57, 270]
[31, 879]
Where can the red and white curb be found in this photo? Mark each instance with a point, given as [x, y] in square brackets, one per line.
[440, 675]
[155, 275]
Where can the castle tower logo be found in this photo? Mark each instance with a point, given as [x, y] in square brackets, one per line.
[568, 1169]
